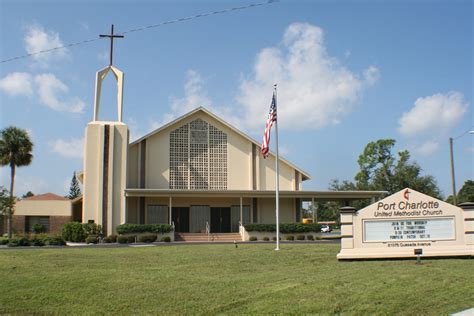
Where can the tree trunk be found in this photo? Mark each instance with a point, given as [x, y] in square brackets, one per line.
[10, 214]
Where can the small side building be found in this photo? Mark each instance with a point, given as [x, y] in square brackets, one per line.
[50, 210]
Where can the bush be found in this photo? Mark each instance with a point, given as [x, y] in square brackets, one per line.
[39, 228]
[147, 238]
[266, 238]
[3, 241]
[300, 237]
[291, 228]
[106, 240]
[310, 237]
[166, 239]
[143, 228]
[74, 232]
[131, 239]
[54, 241]
[18, 241]
[275, 239]
[113, 238]
[253, 238]
[91, 240]
[290, 237]
[92, 229]
[37, 241]
[122, 239]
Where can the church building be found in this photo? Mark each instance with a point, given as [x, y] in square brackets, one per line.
[198, 173]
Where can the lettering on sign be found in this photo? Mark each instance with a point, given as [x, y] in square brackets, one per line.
[409, 230]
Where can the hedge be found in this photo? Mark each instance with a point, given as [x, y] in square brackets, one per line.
[143, 228]
[284, 228]
[78, 232]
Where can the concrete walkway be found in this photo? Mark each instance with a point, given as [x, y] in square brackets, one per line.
[467, 312]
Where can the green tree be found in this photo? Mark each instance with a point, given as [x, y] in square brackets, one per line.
[16, 151]
[27, 195]
[382, 170]
[7, 203]
[466, 194]
[74, 190]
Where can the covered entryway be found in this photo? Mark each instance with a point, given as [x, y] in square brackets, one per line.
[220, 219]
[180, 217]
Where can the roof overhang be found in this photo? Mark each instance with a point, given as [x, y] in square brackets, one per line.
[304, 195]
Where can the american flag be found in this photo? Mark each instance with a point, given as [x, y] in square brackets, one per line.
[272, 117]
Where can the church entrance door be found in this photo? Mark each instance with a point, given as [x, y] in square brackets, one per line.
[180, 217]
[220, 220]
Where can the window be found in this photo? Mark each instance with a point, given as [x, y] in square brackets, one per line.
[198, 157]
[33, 220]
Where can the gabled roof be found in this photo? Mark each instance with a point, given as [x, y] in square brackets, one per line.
[46, 197]
[305, 174]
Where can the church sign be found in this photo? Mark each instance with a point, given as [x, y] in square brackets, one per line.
[406, 223]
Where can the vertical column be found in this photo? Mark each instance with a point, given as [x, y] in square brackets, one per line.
[170, 203]
[347, 227]
[468, 223]
[241, 212]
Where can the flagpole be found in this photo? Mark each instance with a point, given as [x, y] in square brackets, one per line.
[277, 167]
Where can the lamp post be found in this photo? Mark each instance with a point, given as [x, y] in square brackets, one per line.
[452, 162]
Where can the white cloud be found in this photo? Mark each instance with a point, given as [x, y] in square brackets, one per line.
[37, 39]
[372, 75]
[427, 148]
[433, 114]
[72, 148]
[315, 90]
[17, 83]
[51, 91]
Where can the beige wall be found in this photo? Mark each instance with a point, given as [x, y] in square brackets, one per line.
[43, 208]
[266, 211]
[239, 161]
[94, 177]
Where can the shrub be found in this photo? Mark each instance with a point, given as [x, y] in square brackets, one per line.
[37, 241]
[144, 228]
[131, 239]
[113, 238]
[266, 238]
[300, 237]
[3, 241]
[106, 240]
[319, 238]
[91, 229]
[39, 228]
[122, 239]
[290, 228]
[91, 240]
[55, 240]
[18, 241]
[253, 238]
[290, 237]
[275, 239]
[147, 238]
[166, 239]
[74, 232]
[310, 237]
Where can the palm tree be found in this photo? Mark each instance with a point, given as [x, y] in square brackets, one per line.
[15, 151]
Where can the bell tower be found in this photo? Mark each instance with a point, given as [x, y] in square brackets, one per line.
[105, 159]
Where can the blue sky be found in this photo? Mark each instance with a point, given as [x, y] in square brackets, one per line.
[348, 72]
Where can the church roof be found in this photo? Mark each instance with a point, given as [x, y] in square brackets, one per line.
[46, 197]
[306, 175]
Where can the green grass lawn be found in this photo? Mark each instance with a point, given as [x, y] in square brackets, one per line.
[211, 279]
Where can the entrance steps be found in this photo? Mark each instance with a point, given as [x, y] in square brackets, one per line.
[203, 237]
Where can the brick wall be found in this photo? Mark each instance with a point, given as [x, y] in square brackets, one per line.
[19, 224]
[56, 223]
